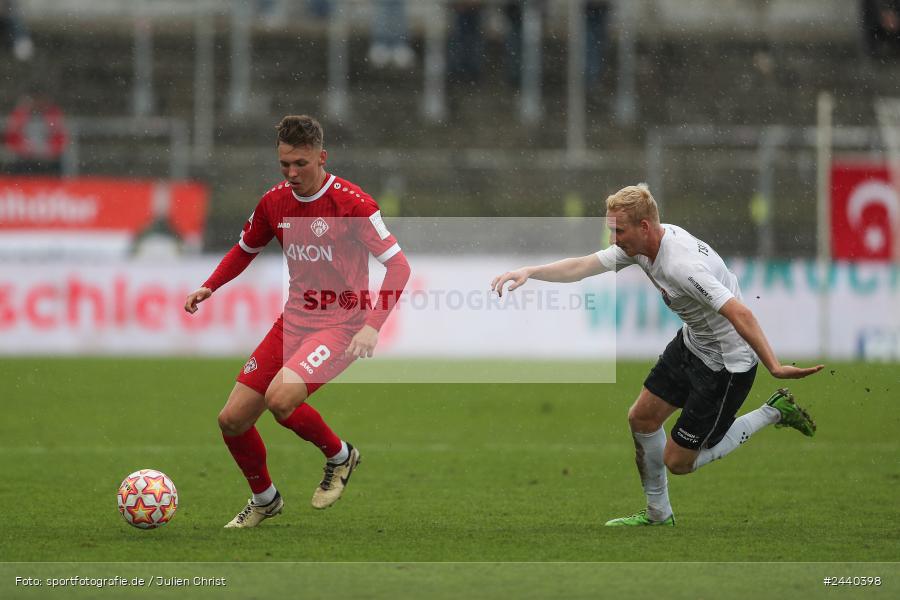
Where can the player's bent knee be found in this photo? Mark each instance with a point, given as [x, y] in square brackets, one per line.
[678, 467]
[230, 424]
[639, 421]
[634, 419]
[282, 400]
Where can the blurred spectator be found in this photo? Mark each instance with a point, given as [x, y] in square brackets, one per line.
[514, 12]
[13, 29]
[390, 43]
[881, 27]
[596, 13]
[272, 13]
[321, 9]
[596, 25]
[466, 43]
[36, 135]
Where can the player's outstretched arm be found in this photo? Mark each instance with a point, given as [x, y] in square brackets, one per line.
[748, 327]
[567, 270]
[231, 265]
[195, 298]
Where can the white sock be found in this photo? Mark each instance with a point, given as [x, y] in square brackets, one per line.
[649, 457]
[739, 432]
[264, 497]
[341, 456]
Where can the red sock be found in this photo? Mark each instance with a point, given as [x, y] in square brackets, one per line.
[249, 453]
[306, 422]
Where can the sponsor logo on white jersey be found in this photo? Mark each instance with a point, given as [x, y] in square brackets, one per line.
[319, 227]
[309, 253]
[700, 288]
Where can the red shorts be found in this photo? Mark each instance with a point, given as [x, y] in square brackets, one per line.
[316, 355]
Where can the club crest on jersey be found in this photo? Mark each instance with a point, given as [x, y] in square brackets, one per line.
[250, 366]
[319, 227]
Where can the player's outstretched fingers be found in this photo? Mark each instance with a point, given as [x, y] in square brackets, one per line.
[497, 284]
[813, 370]
[792, 372]
[503, 279]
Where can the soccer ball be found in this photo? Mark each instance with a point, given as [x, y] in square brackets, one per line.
[147, 499]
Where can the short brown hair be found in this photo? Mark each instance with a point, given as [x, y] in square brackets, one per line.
[300, 130]
[635, 201]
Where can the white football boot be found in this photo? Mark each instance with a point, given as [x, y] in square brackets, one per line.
[335, 480]
[253, 515]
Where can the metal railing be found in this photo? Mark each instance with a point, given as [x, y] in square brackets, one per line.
[80, 131]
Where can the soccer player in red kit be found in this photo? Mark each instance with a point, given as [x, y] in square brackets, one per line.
[327, 227]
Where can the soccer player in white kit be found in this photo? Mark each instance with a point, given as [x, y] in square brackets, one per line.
[707, 370]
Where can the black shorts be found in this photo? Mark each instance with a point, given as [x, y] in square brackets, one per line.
[709, 399]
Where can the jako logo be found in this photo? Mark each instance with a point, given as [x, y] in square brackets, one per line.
[284, 226]
[309, 253]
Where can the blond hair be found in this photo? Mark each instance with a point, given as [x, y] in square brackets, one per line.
[636, 202]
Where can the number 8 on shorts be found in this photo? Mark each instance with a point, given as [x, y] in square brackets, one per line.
[318, 356]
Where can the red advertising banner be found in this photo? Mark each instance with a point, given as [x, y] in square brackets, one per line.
[102, 214]
[865, 212]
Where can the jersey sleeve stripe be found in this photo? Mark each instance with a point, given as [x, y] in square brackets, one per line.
[387, 254]
[247, 248]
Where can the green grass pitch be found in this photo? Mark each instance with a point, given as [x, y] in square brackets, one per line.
[483, 485]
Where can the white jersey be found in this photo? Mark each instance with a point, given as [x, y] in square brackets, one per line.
[694, 283]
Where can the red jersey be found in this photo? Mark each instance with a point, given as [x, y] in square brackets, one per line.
[327, 239]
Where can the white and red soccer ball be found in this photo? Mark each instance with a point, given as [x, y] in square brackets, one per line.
[147, 499]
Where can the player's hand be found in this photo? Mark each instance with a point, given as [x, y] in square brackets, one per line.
[195, 298]
[791, 372]
[518, 278]
[363, 343]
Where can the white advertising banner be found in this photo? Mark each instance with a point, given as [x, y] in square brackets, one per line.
[860, 302]
[135, 308]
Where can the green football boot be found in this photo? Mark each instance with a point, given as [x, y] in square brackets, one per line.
[640, 519]
[791, 414]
